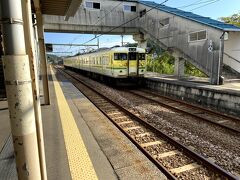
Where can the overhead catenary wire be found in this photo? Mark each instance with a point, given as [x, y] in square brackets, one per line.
[126, 22]
[195, 3]
[204, 5]
[192, 4]
[100, 20]
[189, 4]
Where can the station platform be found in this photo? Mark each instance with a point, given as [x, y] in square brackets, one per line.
[80, 142]
[229, 84]
[224, 97]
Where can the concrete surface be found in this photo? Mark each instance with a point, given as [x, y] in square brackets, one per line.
[112, 154]
[5, 123]
[107, 146]
[225, 98]
[7, 160]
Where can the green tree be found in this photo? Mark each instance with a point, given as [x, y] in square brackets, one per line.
[163, 63]
[234, 19]
[191, 70]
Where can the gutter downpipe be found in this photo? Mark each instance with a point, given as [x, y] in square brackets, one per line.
[29, 42]
[42, 54]
[220, 60]
[19, 92]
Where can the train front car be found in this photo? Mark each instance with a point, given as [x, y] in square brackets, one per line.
[118, 64]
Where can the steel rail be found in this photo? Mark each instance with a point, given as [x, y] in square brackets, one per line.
[148, 155]
[183, 148]
[232, 129]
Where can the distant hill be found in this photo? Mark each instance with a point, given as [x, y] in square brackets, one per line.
[53, 59]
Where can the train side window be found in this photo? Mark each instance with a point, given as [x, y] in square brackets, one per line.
[120, 56]
[115, 56]
[123, 56]
[141, 56]
[132, 56]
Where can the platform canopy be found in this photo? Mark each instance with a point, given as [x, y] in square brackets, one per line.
[65, 8]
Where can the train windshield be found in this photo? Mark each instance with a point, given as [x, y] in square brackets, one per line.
[141, 56]
[120, 56]
[132, 56]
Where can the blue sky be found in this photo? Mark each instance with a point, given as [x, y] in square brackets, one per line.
[219, 8]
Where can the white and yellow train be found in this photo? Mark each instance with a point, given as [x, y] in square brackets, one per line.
[116, 62]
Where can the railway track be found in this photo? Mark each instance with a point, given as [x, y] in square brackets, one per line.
[171, 157]
[216, 118]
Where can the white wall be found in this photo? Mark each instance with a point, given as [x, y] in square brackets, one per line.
[232, 48]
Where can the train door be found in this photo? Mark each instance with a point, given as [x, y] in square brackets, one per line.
[137, 61]
[128, 65]
[132, 63]
[112, 63]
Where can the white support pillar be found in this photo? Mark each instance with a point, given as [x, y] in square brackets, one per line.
[19, 92]
[179, 66]
[42, 53]
[179, 63]
[142, 44]
[141, 39]
[30, 47]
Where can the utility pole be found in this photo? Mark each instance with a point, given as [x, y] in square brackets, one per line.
[122, 39]
[97, 40]
[19, 92]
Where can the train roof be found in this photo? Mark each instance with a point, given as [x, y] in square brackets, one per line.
[115, 49]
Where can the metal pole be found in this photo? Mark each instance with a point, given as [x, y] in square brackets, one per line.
[19, 92]
[220, 60]
[122, 39]
[98, 44]
[2, 88]
[42, 54]
[29, 41]
[1, 45]
[36, 49]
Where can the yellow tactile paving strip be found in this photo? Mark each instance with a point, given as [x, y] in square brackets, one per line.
[81, 167]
